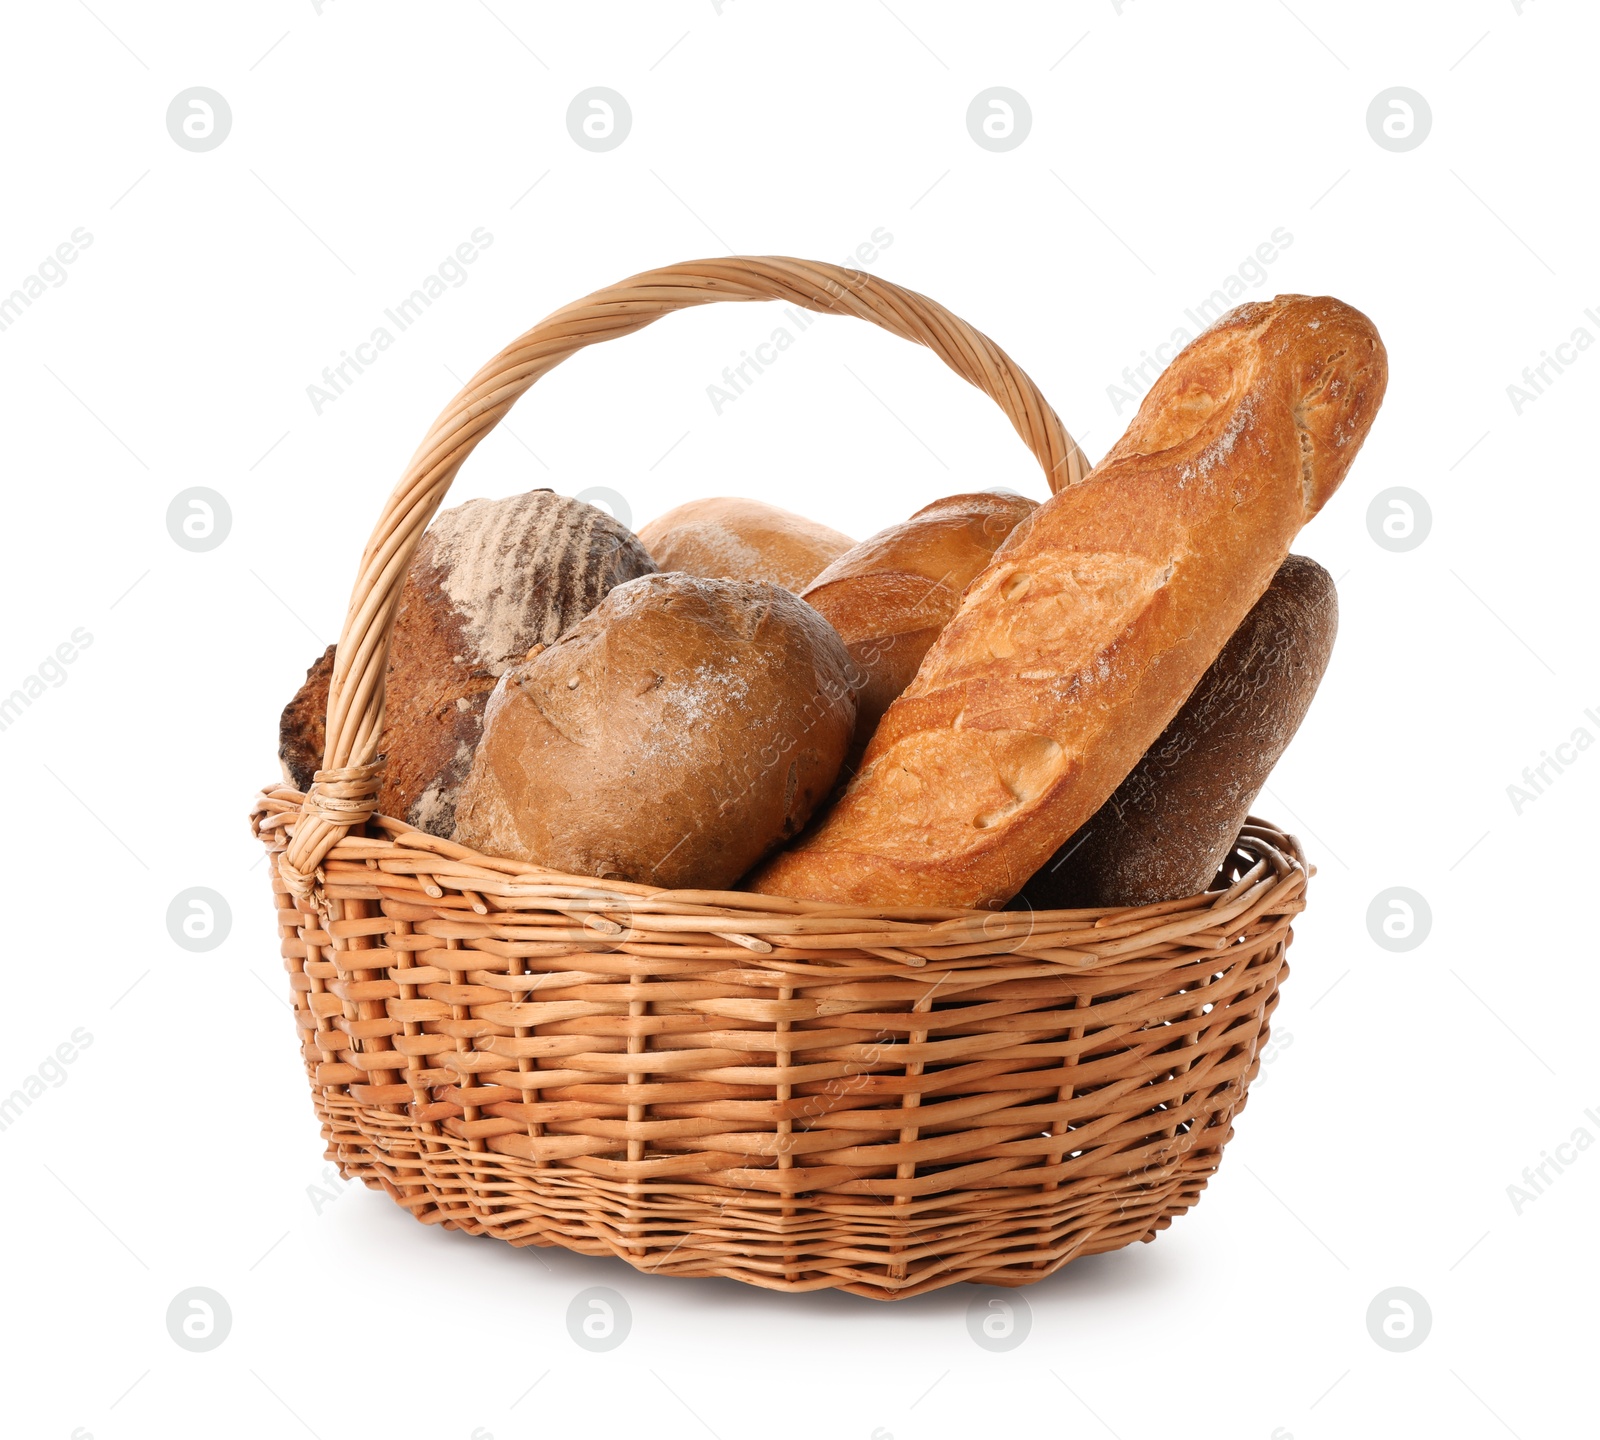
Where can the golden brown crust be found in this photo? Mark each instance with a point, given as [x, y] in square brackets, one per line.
[1171, 823]
[1077, 645]
[891, 595]
[729, 538]
[672, 737]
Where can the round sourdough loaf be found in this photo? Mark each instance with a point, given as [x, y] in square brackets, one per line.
[726, 538]
[490, 579]
[672, 737]
[891, 595]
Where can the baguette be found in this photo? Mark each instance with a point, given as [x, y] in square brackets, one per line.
[1092, 624]
[1171, 823]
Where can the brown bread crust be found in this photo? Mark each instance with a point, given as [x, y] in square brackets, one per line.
[303, 726]
[490, 579]
[1078, 644]
[672, 737]
[891, 595]
[728, 538]
[1171, 823]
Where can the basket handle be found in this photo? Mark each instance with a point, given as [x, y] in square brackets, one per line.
[344, 793]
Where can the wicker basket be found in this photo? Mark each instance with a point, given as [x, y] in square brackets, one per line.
[795, 1095]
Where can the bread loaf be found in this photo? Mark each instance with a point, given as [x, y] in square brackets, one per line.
[1170, 824]
[1088, 630]
[891, 595]
[490, 579]
[672, 737]
[302, 728]
[726, 538]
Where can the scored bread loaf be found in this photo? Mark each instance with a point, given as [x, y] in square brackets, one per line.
[672, 737]
[728, 538]
[1170, 824]
[891, 595]
[490, 579]
[1088, 630]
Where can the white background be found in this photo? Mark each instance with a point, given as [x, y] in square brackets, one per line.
[1406, 1091]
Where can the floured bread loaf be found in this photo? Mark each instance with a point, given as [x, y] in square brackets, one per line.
[491, 579]
[727, 538]
[891, 595]
[1170, 824]
[672, 737]
[1074, 649]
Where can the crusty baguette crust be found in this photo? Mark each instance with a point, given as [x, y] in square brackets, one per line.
[891, 595]
[1078, 644]
[1170, 824]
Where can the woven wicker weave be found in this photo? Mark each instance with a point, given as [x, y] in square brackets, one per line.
[795, 1095]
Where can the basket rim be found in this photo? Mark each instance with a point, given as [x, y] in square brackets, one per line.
[451, 875]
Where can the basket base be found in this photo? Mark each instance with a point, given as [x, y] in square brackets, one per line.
[868, 1248]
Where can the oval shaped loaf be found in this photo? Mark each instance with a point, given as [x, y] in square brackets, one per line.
[891, 595]
[1170, 824]
[729, 538]
[1074, 649]
[672, 737]
[490, 579]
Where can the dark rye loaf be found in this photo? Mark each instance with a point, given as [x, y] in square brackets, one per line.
[1169, 826]
[490, 580]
